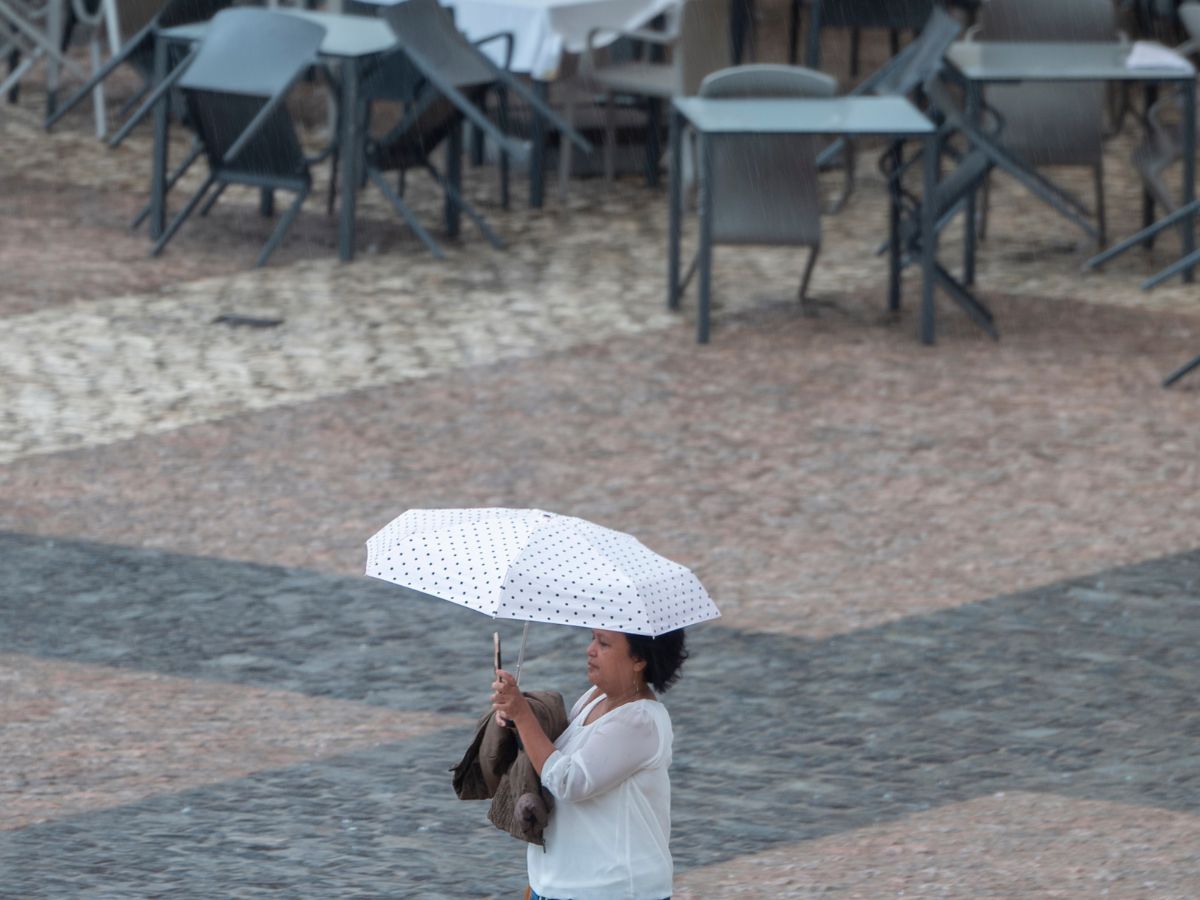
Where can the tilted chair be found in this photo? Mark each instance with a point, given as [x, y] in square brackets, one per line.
[453, 78]
[23, 42]
[986, 152]
[1162, 146]
[126, 23]
[903, 76]
[696, 43]
[765, 192]
[235, 90]
[1051, 124]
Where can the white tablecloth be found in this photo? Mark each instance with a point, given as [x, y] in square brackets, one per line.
[545, 29]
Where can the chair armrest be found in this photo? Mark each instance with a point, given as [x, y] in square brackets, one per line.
[509, 39]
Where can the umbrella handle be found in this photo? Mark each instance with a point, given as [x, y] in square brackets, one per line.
[521, 652]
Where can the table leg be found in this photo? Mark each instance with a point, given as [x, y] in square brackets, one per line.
[929, 179]
[1187, 229]
[158, 164]
[973, 112]
[537, 153]
[454, 153]
[350, 153]
[705, 250]
[674, 208]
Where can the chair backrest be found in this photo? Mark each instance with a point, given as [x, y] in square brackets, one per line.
[875, 13]
[426, 31]
[247, 62]
[765, 189]
[921, 58]
[703, 46]
[1047, 20]
[184, 12]
[1189, 18]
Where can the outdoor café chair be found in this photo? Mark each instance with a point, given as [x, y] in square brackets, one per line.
[453, 79]
[1051, 124]
[986, 152]
[234, 90]
[137, 21]
[902, 76]
[1162, 145]
[765, 192]
[24, 40]
[695, 44]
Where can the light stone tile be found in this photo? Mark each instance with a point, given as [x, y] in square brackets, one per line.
[84, 737]
[1006, 845]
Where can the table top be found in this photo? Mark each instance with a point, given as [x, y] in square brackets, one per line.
[810, 115]
[345, 36]
[1055, 61]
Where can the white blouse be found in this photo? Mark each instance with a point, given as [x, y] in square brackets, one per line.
[608, 835]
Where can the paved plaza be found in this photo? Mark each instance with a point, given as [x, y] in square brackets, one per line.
[959, 654]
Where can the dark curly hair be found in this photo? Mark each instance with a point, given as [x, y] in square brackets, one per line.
[663, 655]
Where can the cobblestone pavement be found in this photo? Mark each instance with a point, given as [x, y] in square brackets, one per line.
[959, 584]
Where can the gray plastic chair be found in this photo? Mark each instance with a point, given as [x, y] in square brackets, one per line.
[903, 76]
[1162, 145]
[765, 191]
[453, 78]
[234, 89]
[696, 43]
[1051, 124]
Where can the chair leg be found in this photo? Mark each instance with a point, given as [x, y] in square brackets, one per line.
[331, 194]
[1101, 217]
[213, 198]
[1180, 372]
[183, 214]
[984, 206]
[285, 222]
[193, 154]
[461, 203]
[653, 146]
[808, 270]
[565, 151]
[502, 118]
[610, 137]
[976, 311]
[405, 213]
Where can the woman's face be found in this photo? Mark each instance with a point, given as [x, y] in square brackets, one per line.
[610, 667]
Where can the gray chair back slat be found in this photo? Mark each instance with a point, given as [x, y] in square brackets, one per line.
[249, 59]
[765, 191]
[183, 12]
[427, 27]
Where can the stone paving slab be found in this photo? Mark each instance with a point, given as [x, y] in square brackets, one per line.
[820, 473]
[1006, 845]
[1083, 689]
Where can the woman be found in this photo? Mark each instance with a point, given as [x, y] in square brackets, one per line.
[608, 834]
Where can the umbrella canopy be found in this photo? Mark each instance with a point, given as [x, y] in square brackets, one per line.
[535, 566]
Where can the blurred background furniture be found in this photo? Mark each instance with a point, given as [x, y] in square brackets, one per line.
[234, 89]
[694, 44]
[771, 198]
[1051, 124]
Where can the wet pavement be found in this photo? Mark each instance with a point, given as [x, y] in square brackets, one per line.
[959, 584]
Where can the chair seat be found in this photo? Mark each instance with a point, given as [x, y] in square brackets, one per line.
[646, 79]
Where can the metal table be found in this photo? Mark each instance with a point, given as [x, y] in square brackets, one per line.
[977, 63]
[349, 40]
[841, 116]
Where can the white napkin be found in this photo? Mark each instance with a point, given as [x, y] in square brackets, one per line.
[1152, 55]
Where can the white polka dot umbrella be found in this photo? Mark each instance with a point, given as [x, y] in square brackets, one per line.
[535, 566]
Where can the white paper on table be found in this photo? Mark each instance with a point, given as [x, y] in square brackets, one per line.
[1152, 55]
